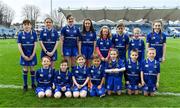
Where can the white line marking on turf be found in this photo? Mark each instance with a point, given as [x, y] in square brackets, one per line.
[157, 93]
[10, 86]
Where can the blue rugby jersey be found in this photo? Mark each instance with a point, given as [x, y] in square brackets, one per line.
[63, 79]
[44, 77]
[49, 38]
[156, 40]
[80, 74]
[104, 46]
[120, 42]
[27, 41]
[88, 39]
[139, 45]
[133, 70]
[71, 35]
[150, 70]
[96, 74]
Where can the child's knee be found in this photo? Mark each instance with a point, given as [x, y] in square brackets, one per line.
[76, 94]
[41, 94]
[48, 93]
[83, 94]
[68, 94]
[57, 95]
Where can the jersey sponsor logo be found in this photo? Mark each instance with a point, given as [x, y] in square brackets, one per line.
[67, 30]
[132, 44]
[44, 34]
[146, 65]
[116, 39]
[92, 71]
[41, 75]
[101, 43]
[23, 37]
[58, 77]
[76, 71]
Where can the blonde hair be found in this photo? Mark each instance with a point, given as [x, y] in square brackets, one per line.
[151, 49]
[137, 29]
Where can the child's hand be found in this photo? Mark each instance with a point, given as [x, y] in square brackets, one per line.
[99, 86]
[103, 59]
[139, 85]
[51, 54]
[142, 83]
[26, 58]
[53, 87]
[64, 88]
[79, 86]
[163, 59]
[31, 57]
[157, 84]
[106, 59]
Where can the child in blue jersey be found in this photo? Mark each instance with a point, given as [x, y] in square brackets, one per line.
[157, 40]
[87, 41]
[97, 78]
[44, 78]
[49, 40]
[150, 73]
[133, 73]
[80, 76]
[63, 80]
[69, 40]
[27, 40]
[114, 72]
[104, 44]
[120, 41]
[137, 43]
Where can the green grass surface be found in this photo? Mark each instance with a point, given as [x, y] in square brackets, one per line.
[10, 74]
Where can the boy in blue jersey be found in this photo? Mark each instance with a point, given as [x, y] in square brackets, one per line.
[157, 40]
[63, 80]
[49, 40]
[133, 73]
[80, 76]
[120, 41]
[87, 41]
[97, 78]
[69, 40]
[114, 73]
[27, 40]
[137, 43]
[104, 44]
[44, 78]
[150, 73]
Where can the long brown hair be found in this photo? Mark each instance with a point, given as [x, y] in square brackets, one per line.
[100, 32]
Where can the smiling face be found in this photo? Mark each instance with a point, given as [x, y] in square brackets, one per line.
[120, 29]
[48, 23]
[157, 26]
[113, 55]
[134, 56]
[70, 20]
[136, 33]
[105, 32]
[27, 27]
[87, 25]
[81, 61]
[64, 66]
[96, 62]
[151, 54]
[46, 62]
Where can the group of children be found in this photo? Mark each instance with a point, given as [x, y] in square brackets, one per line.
[91, 65]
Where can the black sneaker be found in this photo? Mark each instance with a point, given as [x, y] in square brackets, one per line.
[25, 88]
[33, 86]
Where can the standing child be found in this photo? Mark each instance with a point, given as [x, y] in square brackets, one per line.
[49, 40]
[69, 40]
[120, 41]
[44, 78]
[63, 80]
[87, 41]
[27, 40]
[97, 78]
[104, 44]
[80, 77]
[115, 69]
[137, 43]
[157, 40]
[133, 72]
[150, 73]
